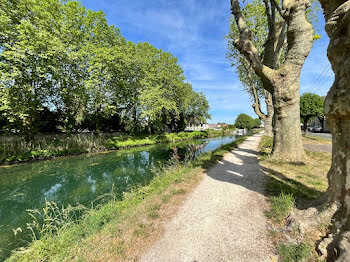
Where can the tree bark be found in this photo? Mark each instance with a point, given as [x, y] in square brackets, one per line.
[337, 112]
[337, 105]
[287, 131]
[267, 119]
[283, 83]
[305, 124]
[270, 112]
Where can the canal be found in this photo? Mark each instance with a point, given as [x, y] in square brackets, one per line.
[80, 179]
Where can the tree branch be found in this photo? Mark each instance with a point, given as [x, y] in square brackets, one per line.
[277, 7]
[256, 105]
[268, 13]
[299, 35]
[244, 44]
[269, 103]
[280, 37]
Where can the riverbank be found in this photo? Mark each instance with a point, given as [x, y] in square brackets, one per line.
[48, 147]
[292, 186]
[223, 218]
[121, 228]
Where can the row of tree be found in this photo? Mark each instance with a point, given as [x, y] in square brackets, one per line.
[269, 41]
[63, 68]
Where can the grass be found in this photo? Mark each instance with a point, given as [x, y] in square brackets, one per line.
[303, 181]
[309, 138]
[290, 185]
[281, 205]
[120, 229]
[45, 147]
[296, 252]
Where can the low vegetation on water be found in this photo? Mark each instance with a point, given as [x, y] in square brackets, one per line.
[55, 146]
[290, 185]
[117, 229]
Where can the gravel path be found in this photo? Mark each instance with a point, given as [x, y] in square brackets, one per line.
[223, 218]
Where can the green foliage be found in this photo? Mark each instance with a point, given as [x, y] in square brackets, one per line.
[311, 105]
[62, 145]
[244, 121]
[265, 145]
[281, 206]
[257, 123]
[295, 252]
[266, 142]
[51, 146]
[57, 56]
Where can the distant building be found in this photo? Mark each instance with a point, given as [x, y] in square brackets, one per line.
[222, 125]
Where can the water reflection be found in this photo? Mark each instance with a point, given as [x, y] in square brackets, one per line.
[79, 179]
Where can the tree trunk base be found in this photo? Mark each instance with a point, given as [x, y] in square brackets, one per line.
[334, 244]
[295, 158]
[336, 247]
[313, 220]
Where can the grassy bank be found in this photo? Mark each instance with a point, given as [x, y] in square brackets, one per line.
[118, 229]
[46, 147]
[293, 185]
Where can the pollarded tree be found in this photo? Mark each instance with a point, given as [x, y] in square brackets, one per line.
[283, 83]
[311, 106]
[337, 112]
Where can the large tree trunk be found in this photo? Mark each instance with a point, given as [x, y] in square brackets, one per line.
[337, 112]
[337, 104]
[287, 131]
[286, 95]
[283, 83]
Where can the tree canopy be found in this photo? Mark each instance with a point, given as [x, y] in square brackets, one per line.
[60, 62]
[244, 121]
[311, 105]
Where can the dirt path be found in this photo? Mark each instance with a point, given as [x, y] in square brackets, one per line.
[223, 218]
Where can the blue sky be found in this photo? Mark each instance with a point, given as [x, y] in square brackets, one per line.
[194, 31]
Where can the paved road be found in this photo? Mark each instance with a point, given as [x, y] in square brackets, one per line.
[223, 218]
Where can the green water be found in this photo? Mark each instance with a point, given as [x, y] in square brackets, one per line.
[79, 179]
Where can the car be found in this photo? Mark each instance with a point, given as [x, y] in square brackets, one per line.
[317, 129]
[310, 128]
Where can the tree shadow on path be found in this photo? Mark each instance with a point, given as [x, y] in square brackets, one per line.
[244, 170]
